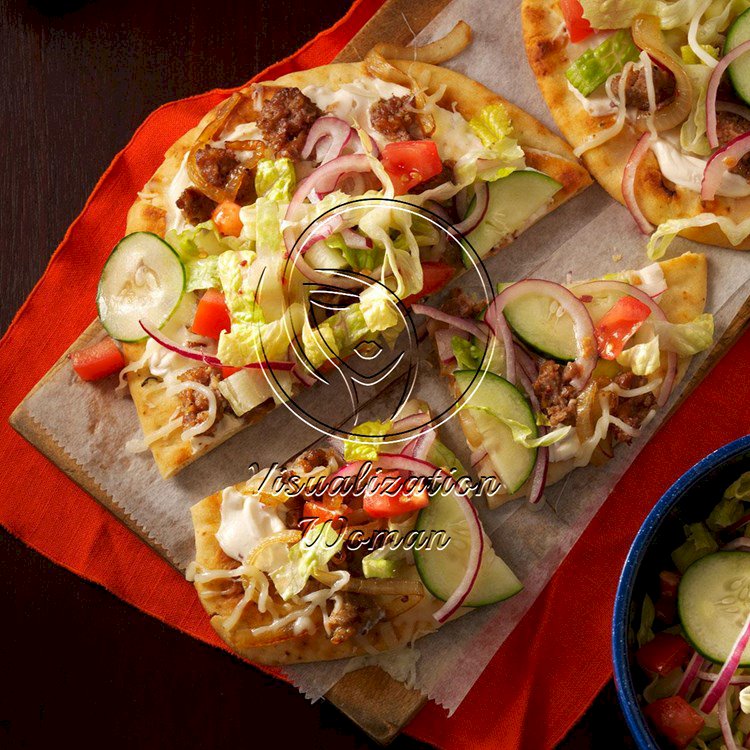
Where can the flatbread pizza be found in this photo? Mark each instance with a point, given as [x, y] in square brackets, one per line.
[338, 176]
[551, 377]
[656, 104]
[345, 554]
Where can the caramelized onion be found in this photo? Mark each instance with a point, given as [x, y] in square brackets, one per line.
[379, 67]
[647, 34]
[445, 48]
[237, 104]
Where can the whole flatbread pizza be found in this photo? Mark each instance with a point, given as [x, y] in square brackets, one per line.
[340, 554]
[653, 94]
[342, 179]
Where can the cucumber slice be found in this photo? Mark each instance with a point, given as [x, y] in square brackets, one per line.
[143, 279]
[513, 201]
[739, 70]
[713, 601]
[441, 570]
[538, 323]
[512, 461]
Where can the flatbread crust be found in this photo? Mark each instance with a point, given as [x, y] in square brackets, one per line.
[407, 618]
[684, 300]
[545, 152]
[658, 198]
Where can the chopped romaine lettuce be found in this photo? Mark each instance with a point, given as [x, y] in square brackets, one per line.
[698, 543]
[619, 14]
[275, 179]
[203, 273]
[740, 489]
[310, 555]
[377, 566]
[379, 309]
[641, 359]
[596, 65]
[336, 336]
[731, 508]
[442, 456]
[645, 629]
[693, 131]
[201, 240]
[686, 339]
[667, 231]
[522, 433]
[365, 445]
[468, 355]
[360, 260]
[244, 390]
[494, 129]
[233, 273]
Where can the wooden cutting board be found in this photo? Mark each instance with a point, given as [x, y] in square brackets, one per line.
[377, 703]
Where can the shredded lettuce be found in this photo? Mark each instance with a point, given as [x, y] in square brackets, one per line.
[666, 232]
[309, 556]
[275, 179]
[686, 339]
[698, 543]
[648, 615]
[494, 129]
[619, 14]
[359, 260]
[365, 445]
[202, 240]
[232, 272]
[244, 390]
[336, 336]
[254, 342]
[731, 507]
[522, 434]
[641, 359]
[379, 309]
[693, 136]
[203, 273]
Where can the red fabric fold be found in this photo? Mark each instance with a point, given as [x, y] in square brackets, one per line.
[553, 664]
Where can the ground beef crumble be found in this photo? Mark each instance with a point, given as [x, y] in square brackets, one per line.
[194, 405]
[632, 410]
[557, 397]
[285, 120]
[353, 614]
[728, 127]
[394, 119]
[636, 91]
[196, 206]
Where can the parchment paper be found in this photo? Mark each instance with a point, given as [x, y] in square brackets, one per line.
[589, 236]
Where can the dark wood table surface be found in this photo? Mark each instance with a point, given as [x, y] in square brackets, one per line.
[78, 664]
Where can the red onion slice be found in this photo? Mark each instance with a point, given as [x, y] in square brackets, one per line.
[726, 728]
[713, 87]
[415, 467]
[474, 563]
[420, 446]
[355, 240]
[628, 183]
[462, 324]
[324, 230]
[208, 359]
[330, 134]
[495, 319]
[444, 343]
[625, 289]
[541, 465]
[472, 221]
[412, 422]
[721, 162]
[569, 302]
[717, 690]
[691, 673]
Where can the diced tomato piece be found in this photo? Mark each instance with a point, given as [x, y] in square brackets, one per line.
[669, 582]
[226, 217]
[324, 512]
[226, 371]
[663, 654]
[578, 27]
[666, 604]
[98, 360]
[409, 163]
[435, 276]
[675, 720]
[618, 324]
[212, 315]
[388, 495]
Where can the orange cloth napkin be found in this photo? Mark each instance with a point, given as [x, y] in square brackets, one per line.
[557, 659]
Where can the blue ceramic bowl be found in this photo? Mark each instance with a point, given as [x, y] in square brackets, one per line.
[688, 500]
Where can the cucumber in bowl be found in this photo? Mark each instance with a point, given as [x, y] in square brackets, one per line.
[441, 570]
[714, 602]
[496, 396]
[143, 279]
